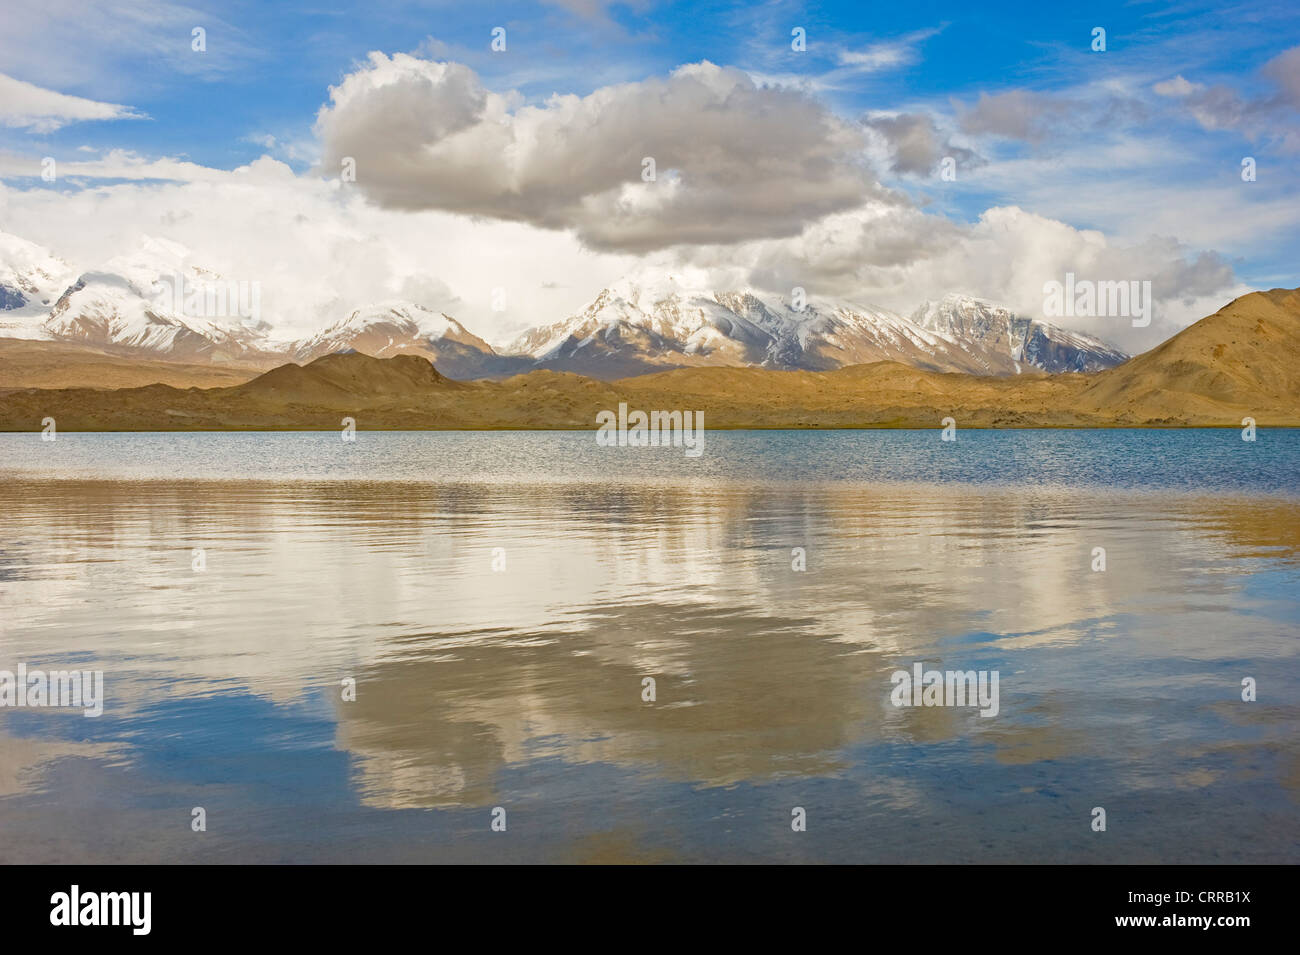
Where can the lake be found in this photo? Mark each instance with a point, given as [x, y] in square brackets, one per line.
[371, 651]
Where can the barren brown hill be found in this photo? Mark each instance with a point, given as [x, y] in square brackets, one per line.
[881, 394]
[40, 364]
[344, 376]
[1241, 361]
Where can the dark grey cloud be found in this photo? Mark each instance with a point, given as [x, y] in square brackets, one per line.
[1050, 118]
[1284, 70]
[1015, 114]
[916, 145]
[1272, 115]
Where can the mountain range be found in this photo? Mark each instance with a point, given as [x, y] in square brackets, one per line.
[653, 323]
[646, 323]
[1243, 361]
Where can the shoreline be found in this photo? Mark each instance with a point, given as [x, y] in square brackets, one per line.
[507, 429]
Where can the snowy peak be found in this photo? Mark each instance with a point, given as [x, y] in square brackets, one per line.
[635, 325]
[385, 329]
[386, 324]
[649, 324]
[29, 274]
[388, 328]
[31, 279]
[1010, 339]
[152, 301]
[661, 320]
[657, 321]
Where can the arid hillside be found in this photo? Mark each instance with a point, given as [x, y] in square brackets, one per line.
[1242, 360]
[41, 364]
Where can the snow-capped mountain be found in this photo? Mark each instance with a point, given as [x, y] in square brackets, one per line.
[155, 302]
[393, 328]
[650, 324]
[152, 302]
[1007, 343]
[31, 279]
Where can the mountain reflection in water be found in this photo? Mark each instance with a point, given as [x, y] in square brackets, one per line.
[522, 687]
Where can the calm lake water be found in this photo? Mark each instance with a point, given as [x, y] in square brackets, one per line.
[499, 599]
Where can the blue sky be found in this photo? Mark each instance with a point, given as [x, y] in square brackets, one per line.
[1142, 143]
